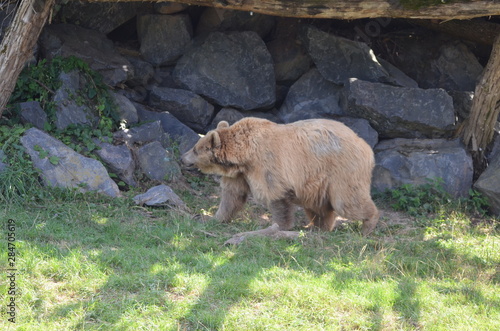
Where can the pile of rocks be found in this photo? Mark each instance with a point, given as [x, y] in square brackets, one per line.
[178, 70]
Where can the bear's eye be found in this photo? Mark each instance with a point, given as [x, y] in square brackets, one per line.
[195, 152]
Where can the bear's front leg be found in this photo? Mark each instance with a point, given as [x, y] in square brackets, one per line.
[282, 213]
[234, 195]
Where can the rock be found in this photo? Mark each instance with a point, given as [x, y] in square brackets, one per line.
[339, 59]
[456, 68]
[159, 196]
[232, 115]
[362, 127]
[311, 96]
[398, 77]
[157, 163]
[142, 134]
[233, 70]
[103, 17]
[163, 38]
[180, 133]
[188, 107]
[68, 109]
[164, 77]
[290, 59]
[216, 19]
[32, 113]
[119, 159]
[414, 161]
[3, 158]
[60, 166]
[125, 109]
[91, 46]
[400, 111]
[489, 184]
[143, 72]
[438, 61]
[462, 102]
[495, 149]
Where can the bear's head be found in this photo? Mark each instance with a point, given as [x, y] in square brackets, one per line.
[211, 155]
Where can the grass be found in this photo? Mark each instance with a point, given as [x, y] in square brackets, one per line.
[93, 263]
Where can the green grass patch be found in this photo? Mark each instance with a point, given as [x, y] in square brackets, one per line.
[94, 263]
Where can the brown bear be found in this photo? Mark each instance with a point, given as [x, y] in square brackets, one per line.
[319, 164]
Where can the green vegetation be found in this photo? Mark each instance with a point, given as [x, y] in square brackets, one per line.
[85, 262]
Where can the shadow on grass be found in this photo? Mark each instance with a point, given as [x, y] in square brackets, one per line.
[151, 264]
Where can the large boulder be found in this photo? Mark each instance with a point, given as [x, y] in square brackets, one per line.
[158, 163]
[163, 38]
[119, 159]
[68, 109]
[415, 161]
[98, 51]
[188, 107]
[60, 166]
[339, 59]
[179, 132]
[32, 113]
[232, 69]
[290, 59]
[489, 184]
[399, 111]
[312, 96]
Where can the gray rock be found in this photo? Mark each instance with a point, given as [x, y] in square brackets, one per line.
[311, 96]
[68, 110]
[63, 167]
[188, 107]
[163, 38]
[103, 17]
[98, 51]
[32, 112]
[400, 111]
[339, 59]
[142, 134]
[362, 127]
[489, 184]
[414, 161]
[125, 109]
[456, 68]
[398, 77]
[216, 19]
[495, 148]
[233, 69]
[159, 196]
[232, 115]
[462, 102]
[180, 133]
[290, 59]
[157, 163]
[434, 61]
[119, 159]
[143, 72]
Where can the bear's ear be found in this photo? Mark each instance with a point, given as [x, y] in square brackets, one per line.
[222, 124]
[214, 139]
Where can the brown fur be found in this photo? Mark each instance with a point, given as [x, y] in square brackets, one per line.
[320, 164]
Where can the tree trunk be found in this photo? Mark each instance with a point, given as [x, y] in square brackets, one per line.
[354, 9]
[479, 128]
[17, 45]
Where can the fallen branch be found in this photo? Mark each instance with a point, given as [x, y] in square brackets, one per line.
[273, 232]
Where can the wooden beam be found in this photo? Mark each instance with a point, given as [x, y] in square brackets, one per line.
[355, 9]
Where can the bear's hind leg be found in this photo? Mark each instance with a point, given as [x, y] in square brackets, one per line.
[326, 221]
[234, 194]
[282, 213]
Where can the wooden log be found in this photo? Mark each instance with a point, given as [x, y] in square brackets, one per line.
[18, 44]
[355, 9]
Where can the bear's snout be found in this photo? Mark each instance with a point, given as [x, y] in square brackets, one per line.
[187, 159]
